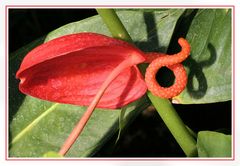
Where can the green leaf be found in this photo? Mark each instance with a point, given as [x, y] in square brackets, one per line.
[150, 31]
[209, 65]
[41, 126]
[38, 126]
[52, 154]
[213, 144]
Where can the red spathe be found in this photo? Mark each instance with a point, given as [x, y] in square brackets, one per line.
[71, 69]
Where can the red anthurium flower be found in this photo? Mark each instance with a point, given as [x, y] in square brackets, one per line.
[94, 70]
[72, 68]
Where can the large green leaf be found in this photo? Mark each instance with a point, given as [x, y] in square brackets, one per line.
[37, 126]
[209, 65]
[213, 144]
[41, 126]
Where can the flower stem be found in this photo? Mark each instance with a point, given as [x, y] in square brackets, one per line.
[163, 106]
[86, 116]
[116, 27]
[174, 124]
[114, 24]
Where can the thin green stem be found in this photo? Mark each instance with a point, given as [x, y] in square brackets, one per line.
[116, 27]
[163, 106]
[114, 24]
[174, 124]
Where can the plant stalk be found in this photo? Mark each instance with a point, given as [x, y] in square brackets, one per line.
[175, 124]
[163, 106]
[114, 24]
[86, 116]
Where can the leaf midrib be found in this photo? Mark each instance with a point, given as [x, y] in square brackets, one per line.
[33, 123]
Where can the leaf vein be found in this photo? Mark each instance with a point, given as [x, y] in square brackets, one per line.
[34, 122]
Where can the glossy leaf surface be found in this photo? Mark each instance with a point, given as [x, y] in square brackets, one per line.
[209, 65]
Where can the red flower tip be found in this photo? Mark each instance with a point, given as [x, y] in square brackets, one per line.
[71, 69]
